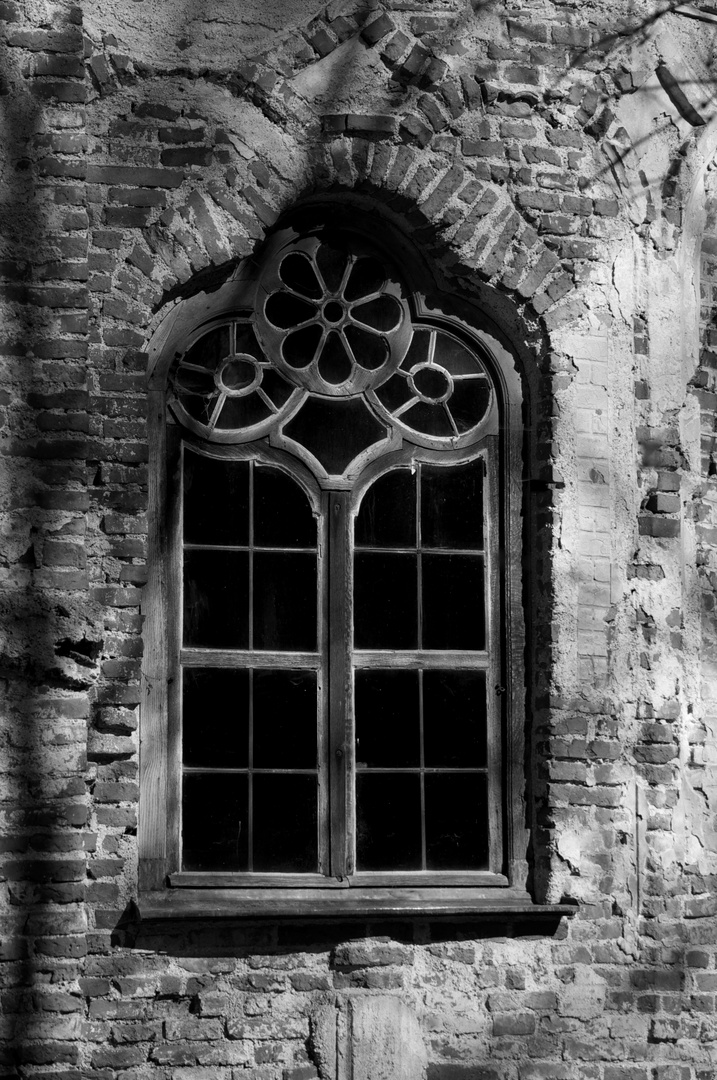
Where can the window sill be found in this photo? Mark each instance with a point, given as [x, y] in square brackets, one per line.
[354, 903]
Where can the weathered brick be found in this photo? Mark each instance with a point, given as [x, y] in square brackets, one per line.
[133, 176]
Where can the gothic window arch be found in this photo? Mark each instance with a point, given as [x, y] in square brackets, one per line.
[334, 695]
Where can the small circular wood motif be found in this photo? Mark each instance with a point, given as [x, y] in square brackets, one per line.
[224, 388]
[441, 394]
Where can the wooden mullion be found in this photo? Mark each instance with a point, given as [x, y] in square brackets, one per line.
[338, 632]
[250, 561]
[419, 659]
[250, 617]
[250, 776]
[245, 770]
[175, 630]
[418, 478]
[365, 550]
[494, 676]
[321, 665]
[430, 770]
[242, 658]
[253, 547]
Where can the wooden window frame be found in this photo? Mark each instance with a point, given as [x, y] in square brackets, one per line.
[166, 890]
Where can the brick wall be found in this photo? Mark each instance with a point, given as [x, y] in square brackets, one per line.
[140, 163]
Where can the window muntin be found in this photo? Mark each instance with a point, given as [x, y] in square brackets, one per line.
[335, 447]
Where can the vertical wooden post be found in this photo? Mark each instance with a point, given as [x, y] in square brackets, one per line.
[339, 640]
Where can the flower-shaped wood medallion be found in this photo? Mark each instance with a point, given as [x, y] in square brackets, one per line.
[332, 314]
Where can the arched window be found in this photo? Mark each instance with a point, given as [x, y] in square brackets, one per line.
[335, 695]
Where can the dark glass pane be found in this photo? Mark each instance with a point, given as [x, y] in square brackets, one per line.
[282, 514]
[215, 718]
[195, 382]
[300, 348]
[456, 821]
[387, 720]
[383, 313]
[452, 506]
[454, 719]
[284, 720]
[239, 412]
[385, 601]
[238, 374]
[370, 351]
[454, 356]
[200, 408]
[246, 341]
[335, 431]
[430, 419]
[214, 821]
[453, 602]
[469, 402]
[285, 832]
[216, 610]
[331, 259]
[275, 386]
[284, 310]
[395, 392]
[334, 363]
[333, 312]
[297, 272]
[388, 821]
[216, 500]
[387, 515]
[284, 601]
[366, 277]
[210, 349]
[417, 350]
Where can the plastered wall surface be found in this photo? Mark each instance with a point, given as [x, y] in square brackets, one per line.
[554, 162]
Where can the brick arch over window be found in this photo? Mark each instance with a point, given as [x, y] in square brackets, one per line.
[470, 225]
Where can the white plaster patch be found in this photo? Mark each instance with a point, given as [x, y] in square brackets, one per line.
[344, 80]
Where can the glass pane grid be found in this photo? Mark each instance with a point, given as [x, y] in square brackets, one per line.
[419, 587]
[404, 771]
[240, 593]
[419, 575]
[223, 799]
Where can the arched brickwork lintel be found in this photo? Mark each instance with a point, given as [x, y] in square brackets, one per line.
[483, 250]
